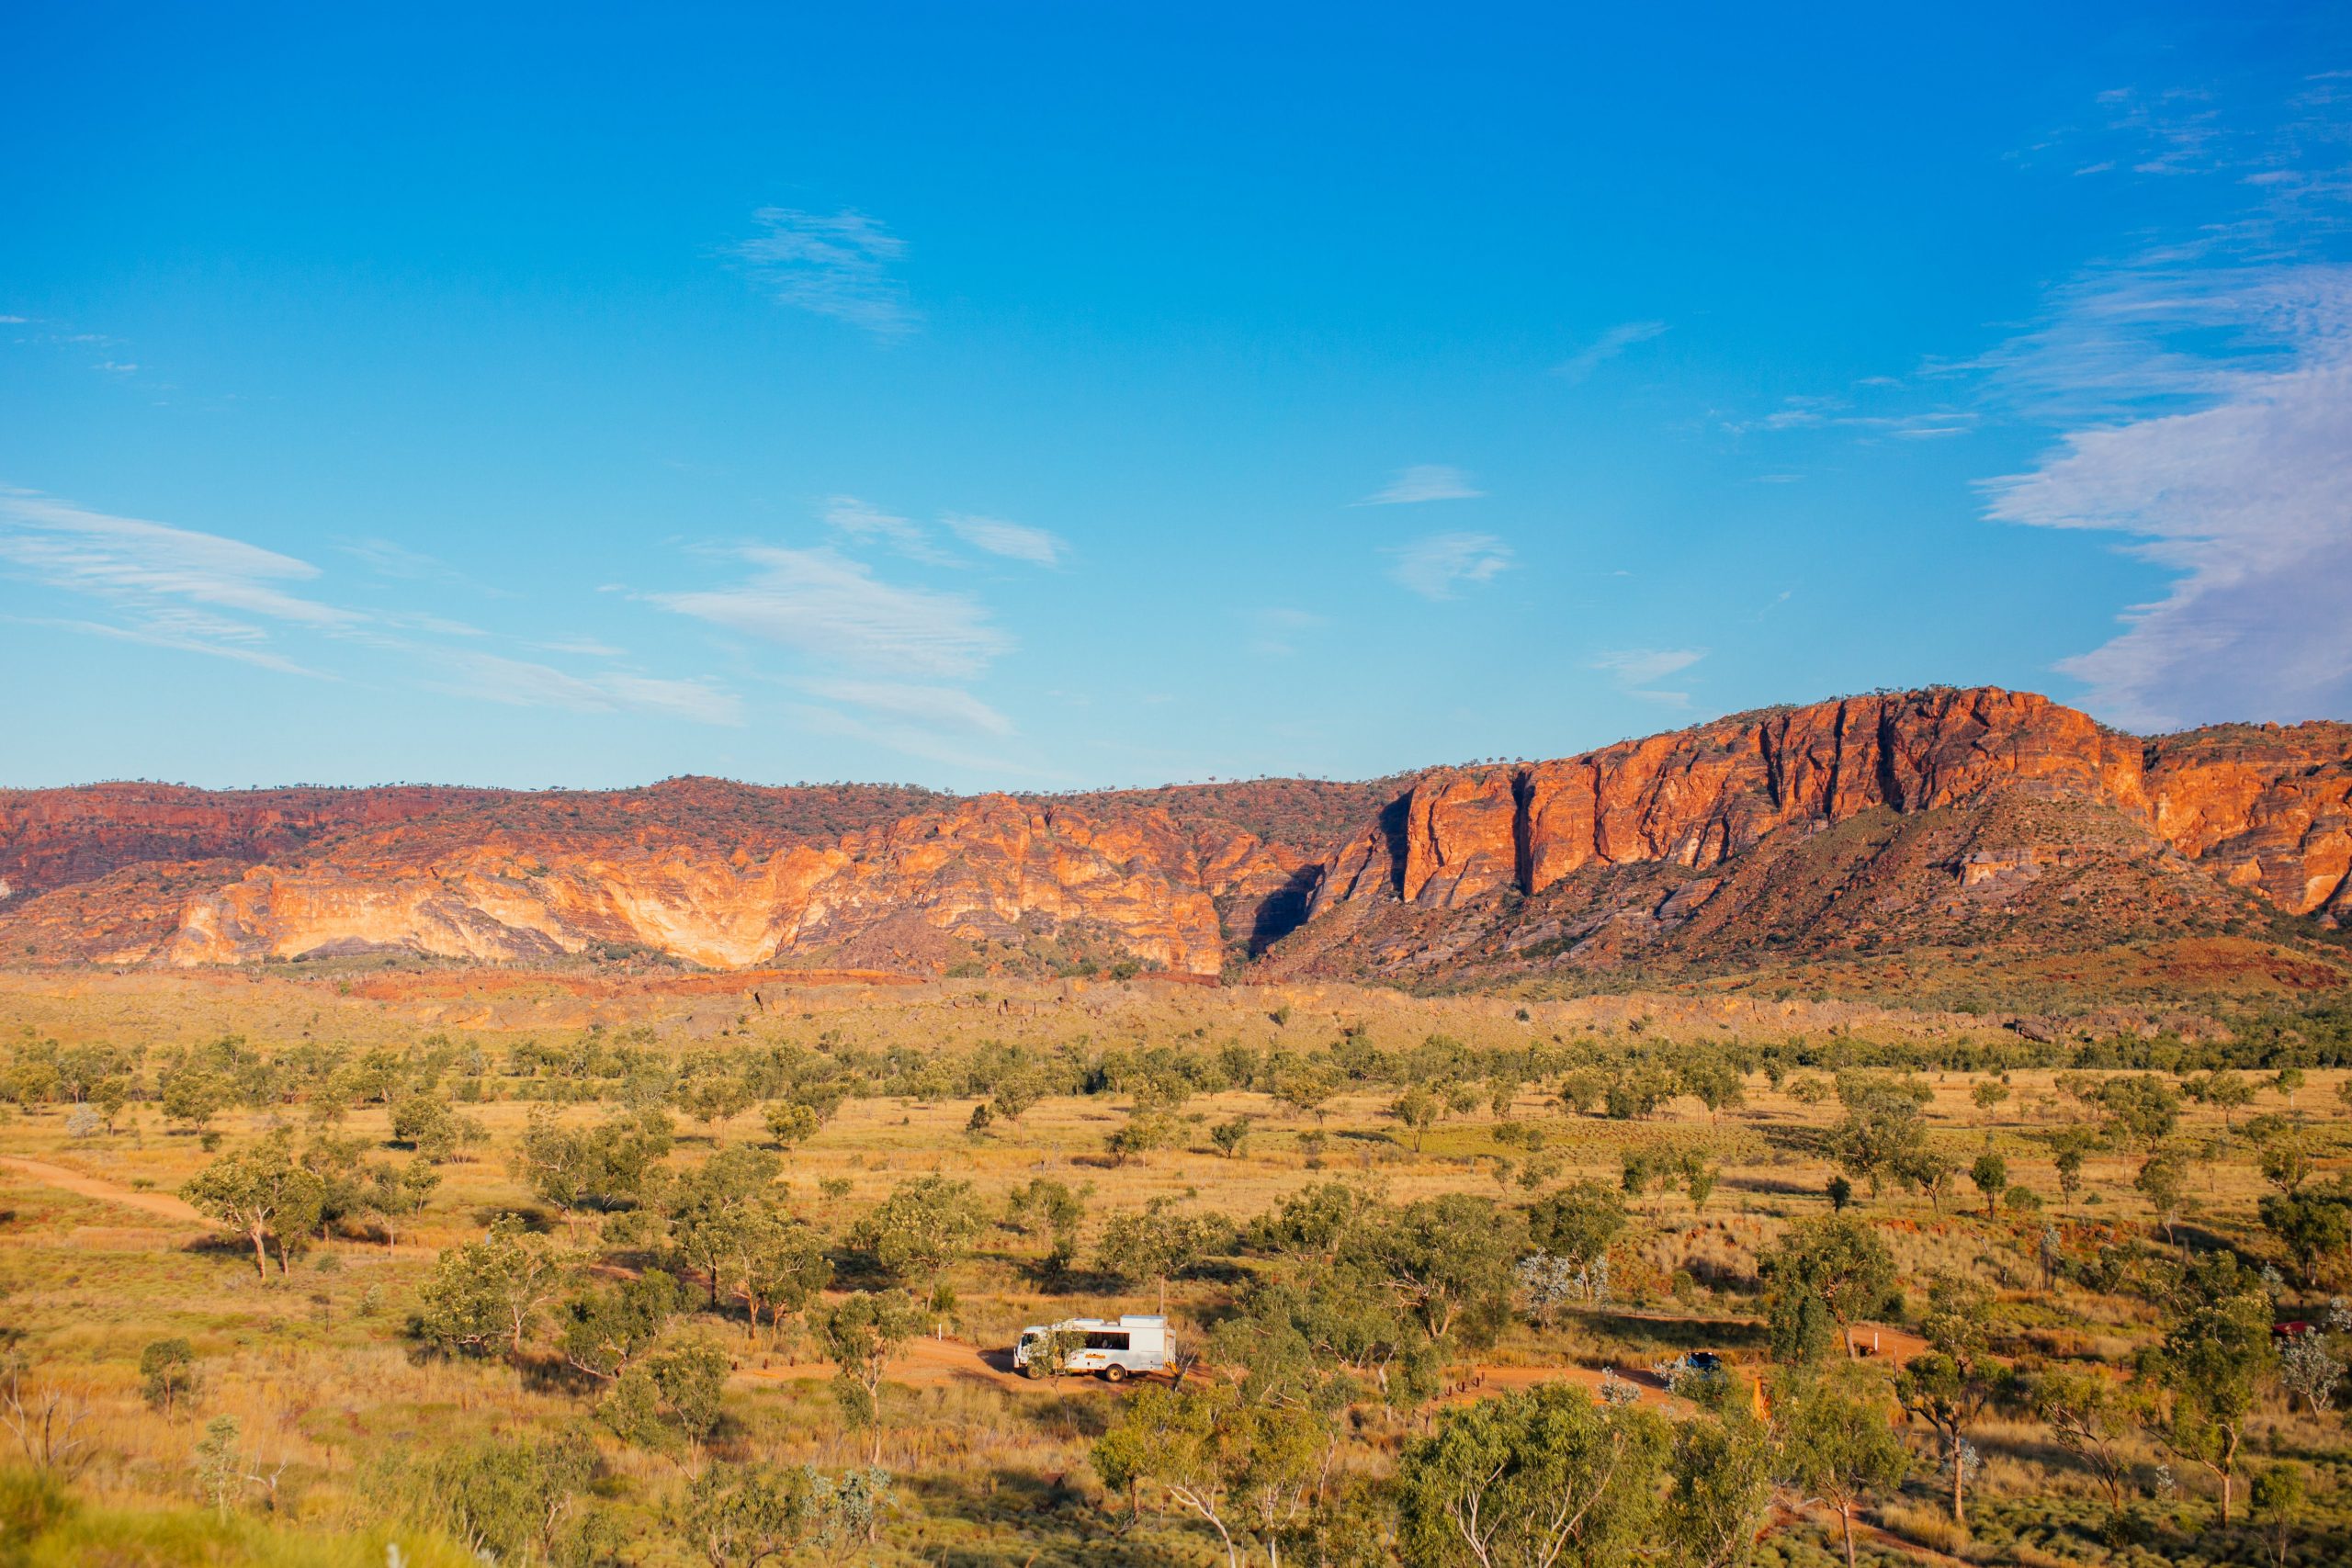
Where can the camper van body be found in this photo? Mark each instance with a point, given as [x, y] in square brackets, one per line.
[1115, 1348]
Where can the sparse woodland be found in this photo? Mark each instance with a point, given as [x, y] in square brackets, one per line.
[297, 1277]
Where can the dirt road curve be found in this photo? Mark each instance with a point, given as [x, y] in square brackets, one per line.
[163, 1205]
[929, 1364]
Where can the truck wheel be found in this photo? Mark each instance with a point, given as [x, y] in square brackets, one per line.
[1114, 1374]
[1031, 1371]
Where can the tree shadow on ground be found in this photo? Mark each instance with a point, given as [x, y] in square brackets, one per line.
[1774, 1186]
[222, 1246]
[1677, 1334]
[1070, 1282]
[1047, 1521]
[1811, 1141]
[553, 1374]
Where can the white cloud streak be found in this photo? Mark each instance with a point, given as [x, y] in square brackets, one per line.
[838, 264]
[1827, 413]
[1606, 347]
[1280, 627]
[1637, 671]
[940, 708]
[228, 640]
[863, 520]
[918, 741]
[388, 559]
[1014, 541]
[198, 592]
[834, 609]
[2238, 479]
[1438, 565]
[523, 683]
[1424, 481]
[154, 573]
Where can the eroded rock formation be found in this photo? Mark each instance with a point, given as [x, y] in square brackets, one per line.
[1695, 831]
[2268, 806]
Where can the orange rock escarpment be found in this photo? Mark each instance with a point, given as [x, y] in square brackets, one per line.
[1191, 878]
[983, 870]
[2267, 808]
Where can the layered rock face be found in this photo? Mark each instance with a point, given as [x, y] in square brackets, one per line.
[2269, 808]
[1703, 830]
[55, 837]
[983, 870]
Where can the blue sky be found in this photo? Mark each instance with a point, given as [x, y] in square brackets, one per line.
[1045, 398]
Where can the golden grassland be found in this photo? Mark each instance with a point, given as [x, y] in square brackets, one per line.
[314, 1366]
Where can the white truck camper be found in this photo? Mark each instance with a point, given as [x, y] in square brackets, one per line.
[1112, 1347]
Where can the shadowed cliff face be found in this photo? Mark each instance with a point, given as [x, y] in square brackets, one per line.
[1693, 832]
[2270, 807]
[1698, 797]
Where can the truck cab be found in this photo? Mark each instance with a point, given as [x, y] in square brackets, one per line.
[1114, 1348]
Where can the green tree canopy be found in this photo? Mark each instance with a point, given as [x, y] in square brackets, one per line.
[1837, 1264]
[1837, 1444]
[1545, 1477]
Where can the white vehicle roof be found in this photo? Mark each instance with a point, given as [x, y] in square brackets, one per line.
[1152, 1320]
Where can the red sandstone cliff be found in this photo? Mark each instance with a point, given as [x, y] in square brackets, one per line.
[1970, 806]
[54, 837]
[987, 869]
[2277, 800]
[1998, 814]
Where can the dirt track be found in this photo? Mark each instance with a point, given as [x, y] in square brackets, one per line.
[930, 1363]
[163, 1205]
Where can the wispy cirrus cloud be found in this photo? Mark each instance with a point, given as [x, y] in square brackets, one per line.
[861, 520]
[839, 264]
[1606, 347]
[193, 592]
[389, 559]
[1424, 481]
[1277, 630]
[2178, 130]
[1637, 671]
[156, 577]
[1438, 565]
[928, 740]
[183, 633]
[1014, 541]
[579, 646]
[2214, 433]
[2201, 397]
[888, 660]
[524, 683]
[1831, 411]
[828, 606]
[927, 707]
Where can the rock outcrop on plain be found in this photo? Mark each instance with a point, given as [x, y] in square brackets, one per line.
[1975, 814]
[2267, 805]
[1929, 815]
[990, 869]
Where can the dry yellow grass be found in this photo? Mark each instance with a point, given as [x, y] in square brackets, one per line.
[313, 1368]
